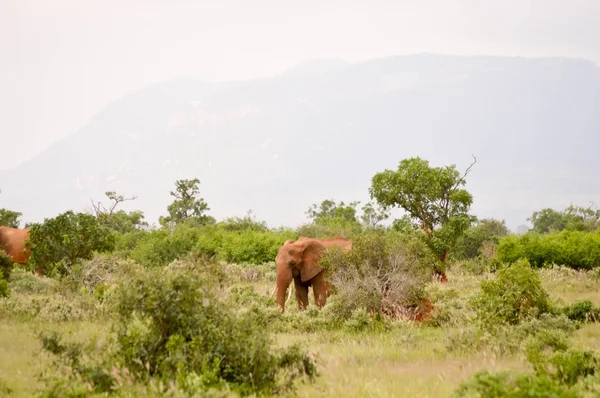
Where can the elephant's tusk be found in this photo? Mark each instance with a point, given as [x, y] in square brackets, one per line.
[290, 293]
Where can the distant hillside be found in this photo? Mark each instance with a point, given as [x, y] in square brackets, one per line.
[322, 130]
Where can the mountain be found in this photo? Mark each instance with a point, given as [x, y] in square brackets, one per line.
[322, 130]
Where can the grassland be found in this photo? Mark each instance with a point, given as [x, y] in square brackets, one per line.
[411, 360]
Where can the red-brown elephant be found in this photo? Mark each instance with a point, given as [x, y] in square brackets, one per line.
[299, 261]
[12, 241]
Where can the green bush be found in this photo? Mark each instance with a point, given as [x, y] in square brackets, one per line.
[170, 325]
[558, 371]
[58, 243]
[253, 247]
[6, 266]
[470, 245]
[575, 249]
[222, 241]
[160, 247]
[4, 289]
[514, 295]
[583, 311]
[26, 282]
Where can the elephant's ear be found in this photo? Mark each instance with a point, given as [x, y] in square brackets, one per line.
[310, 259]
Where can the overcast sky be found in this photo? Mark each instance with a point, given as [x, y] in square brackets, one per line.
[61, 64]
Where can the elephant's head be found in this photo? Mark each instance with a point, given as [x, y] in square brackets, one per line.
[300, 258]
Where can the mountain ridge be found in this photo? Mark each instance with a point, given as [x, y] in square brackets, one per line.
[278, 145]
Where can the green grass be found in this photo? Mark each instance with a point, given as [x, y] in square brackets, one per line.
[411, 360]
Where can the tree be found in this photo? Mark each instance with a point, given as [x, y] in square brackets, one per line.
[470, 244]
[371, 216]
[187, 206]
[329, 209]
[119, 221]
[434, 199]
[9, 218]
[573, 218]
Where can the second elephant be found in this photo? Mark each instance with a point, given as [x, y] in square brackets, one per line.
[299, 261]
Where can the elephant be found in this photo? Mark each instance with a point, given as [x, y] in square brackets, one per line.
[299, 261]
[12, 241]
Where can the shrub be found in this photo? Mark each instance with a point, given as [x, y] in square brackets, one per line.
[26, 282]
[514, 295]
[583, 311]
[253, 247]
[575, 249]
[382, 273]
[53, 308]
[160, 247]
[479, 238]
[4, 289]
[6, 265]
[511, 384]
[558, 371]
[58, 243]
[171, 326]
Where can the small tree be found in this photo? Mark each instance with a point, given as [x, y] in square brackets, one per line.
[487, 231]
[372, 216]
[433, 199]
[329, 209]
[187, 206]
[119, 221]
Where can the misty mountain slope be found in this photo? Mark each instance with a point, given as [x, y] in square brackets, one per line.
[322, 130]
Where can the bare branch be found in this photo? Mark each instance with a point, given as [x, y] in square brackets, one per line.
[467, 171]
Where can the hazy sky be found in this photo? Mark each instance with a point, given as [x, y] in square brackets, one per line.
[61, 64]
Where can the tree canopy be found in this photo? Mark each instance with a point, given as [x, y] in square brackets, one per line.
[433, 197]
[188, 206]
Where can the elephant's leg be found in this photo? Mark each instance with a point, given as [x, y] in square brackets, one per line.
[320, 289]
[283, 281]
[301, 294]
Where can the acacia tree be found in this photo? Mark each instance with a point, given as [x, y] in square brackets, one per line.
[188, 206]
[118, 220]
[433, 198]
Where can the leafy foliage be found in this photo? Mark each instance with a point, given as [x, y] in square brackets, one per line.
[471, 244]
[329, 209]
[432, 197]
[6, 266]
[118, 220]
[187, 206]
[574, 249]
[572, 218]
[373, 215]
[171, 326]
[58, 243]
[514, 295]
[559, 371]
[10, 218]
[247, 223]
[582, 311]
